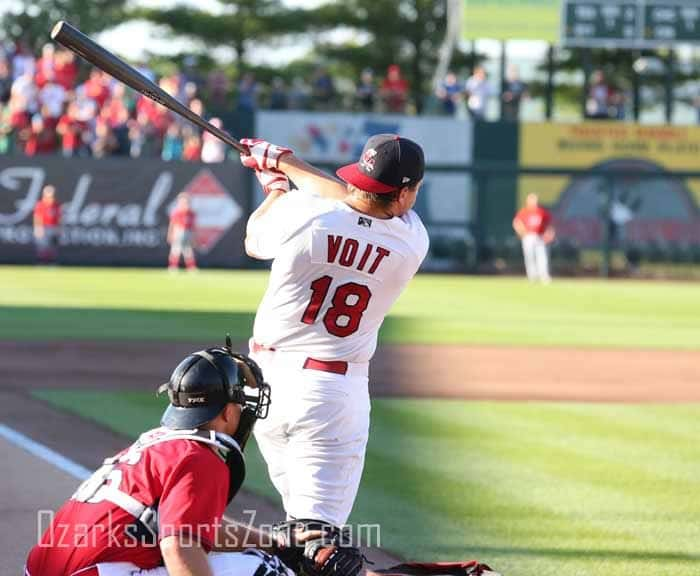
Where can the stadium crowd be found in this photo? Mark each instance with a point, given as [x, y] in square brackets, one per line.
[49, 104]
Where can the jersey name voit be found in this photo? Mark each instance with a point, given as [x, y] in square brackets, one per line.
[347, 255]
[336, 273]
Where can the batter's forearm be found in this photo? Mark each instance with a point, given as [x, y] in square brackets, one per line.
[307, 177]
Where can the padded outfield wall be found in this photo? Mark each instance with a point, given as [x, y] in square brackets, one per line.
[115, 211]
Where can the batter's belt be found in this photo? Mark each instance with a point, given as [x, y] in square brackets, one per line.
[351, 369]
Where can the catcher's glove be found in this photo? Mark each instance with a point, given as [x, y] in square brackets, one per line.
[316, 548]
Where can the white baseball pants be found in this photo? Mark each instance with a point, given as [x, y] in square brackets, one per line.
[221, 564]
[536, 255]
[315, 435]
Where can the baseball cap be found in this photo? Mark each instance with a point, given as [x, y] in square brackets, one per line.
[197, 389]
[388, 162]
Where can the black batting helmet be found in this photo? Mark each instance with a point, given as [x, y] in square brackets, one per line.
[205, 381]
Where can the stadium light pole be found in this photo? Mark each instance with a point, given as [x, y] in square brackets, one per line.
[453, 30]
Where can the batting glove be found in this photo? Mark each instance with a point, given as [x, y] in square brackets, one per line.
[262, 155]
[272, 181]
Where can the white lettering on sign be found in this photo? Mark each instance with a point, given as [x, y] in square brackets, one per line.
[89, 220]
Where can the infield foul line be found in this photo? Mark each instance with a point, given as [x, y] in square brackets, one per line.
[44, 453]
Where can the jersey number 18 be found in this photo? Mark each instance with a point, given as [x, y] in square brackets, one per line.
[349, 301]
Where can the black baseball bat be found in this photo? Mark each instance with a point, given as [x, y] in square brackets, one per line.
[75, 40]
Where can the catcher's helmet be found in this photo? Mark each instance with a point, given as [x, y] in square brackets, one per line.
[204, 382]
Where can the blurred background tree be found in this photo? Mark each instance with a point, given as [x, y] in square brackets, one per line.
[31, 21]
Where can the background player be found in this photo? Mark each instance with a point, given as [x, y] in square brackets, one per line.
[47, 226]
[343, 253]
[181, 232]
[161, 501]
[533, 225]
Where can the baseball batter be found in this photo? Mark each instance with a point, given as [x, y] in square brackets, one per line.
[533, 225]
[342, 254]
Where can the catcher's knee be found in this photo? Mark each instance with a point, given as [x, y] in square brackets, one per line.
[317, 548]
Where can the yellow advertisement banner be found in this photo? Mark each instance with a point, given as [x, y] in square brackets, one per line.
[584, 145]
[652, 209]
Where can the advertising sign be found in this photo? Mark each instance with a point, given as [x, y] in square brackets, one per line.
[649, 205]
[115, 211]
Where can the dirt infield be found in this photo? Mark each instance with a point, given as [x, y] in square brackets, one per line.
[468, 372]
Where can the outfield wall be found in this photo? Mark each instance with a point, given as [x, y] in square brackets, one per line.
[611, 186]
[115, 211]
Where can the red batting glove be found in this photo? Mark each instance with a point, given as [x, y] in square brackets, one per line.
[272, 181]
[263, 155]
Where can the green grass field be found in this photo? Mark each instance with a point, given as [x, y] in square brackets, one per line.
[532, 488]
[152, 305]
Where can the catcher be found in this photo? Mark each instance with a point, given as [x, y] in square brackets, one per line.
[156, 508]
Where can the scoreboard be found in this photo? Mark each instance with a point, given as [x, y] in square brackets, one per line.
[630, 23]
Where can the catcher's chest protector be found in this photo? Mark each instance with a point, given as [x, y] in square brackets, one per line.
[98, 488]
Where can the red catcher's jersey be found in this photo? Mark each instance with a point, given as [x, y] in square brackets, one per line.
[535, 220]
[48, 213]
[183, 219]
[185, 477]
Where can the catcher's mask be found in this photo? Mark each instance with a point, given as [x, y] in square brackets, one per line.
[204, 382]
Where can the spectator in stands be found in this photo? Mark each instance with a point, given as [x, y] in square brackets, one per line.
[514, 92]
[104, 143]
[190, 90]
[116, 108]
[213, 149]
[144, 138]
[23, 61]
[6, 133]
[598, 98]
[247, 93]
[46, 66]
[298, 96]
[478, 93]
[25, 93]
[52, 97]
[322, 89]
[181, 234]
[47, 226]
[19, 120]
[70, 129]
[5, 81]
[394, 90]
[65, 69]
[172, 143]
[278, 94]
[159, 117]
[218, 88]
[40, 138]
[96, 87]
[618, 101]
[191, 74]
[366, 91]
[120, 129]
[192, 151]
[449, 93]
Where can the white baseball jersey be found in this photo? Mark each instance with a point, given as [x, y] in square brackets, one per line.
[335, 275]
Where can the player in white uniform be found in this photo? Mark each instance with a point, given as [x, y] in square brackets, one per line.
[343, 253]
